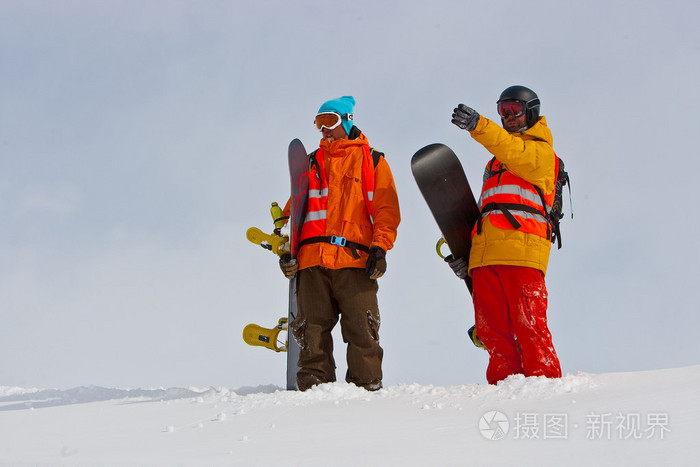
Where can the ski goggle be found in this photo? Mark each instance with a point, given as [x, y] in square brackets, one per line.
[330, 120]
[514, 108]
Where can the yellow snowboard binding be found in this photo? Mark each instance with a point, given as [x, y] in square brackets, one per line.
[275, 242]
[278, 244]
[474, 338]
[265, 337]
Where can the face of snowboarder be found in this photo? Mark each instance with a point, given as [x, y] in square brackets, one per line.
[513, 115]
[335, 133]
[330, 125]
[514, 124]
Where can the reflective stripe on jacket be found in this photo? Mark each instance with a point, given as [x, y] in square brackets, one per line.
[525, 162]
[511, 202]
[317, 211]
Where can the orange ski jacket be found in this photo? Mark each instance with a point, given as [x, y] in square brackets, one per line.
[351, 201]
[511, 202]
[524, 160]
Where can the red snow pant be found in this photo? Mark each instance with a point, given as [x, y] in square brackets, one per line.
[511, 301]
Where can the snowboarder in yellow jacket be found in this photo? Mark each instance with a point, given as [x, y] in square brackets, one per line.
[512, 238]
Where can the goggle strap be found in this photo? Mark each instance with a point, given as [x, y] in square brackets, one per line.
[348, 116]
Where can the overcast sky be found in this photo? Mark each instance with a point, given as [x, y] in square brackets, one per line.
[139, 140]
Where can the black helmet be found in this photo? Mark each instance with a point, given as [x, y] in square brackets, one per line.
[526, 96]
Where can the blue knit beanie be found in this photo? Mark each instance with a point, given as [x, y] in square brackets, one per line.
[342, 105]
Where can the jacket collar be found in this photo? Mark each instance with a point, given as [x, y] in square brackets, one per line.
[539, 131]
[338, 147]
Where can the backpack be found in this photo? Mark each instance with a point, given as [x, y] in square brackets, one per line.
[556, 213]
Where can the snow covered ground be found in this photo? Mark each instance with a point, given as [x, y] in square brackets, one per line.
[643, 418]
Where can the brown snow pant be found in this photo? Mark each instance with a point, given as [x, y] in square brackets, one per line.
[324, 296]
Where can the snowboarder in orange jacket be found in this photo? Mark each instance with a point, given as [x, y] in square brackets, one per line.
[350, 224]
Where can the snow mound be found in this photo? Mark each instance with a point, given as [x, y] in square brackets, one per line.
[642, 418]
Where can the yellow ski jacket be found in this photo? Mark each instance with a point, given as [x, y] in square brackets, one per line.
[530, 156]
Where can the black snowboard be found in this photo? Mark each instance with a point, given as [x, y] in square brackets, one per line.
[299, 180]
[441, 180]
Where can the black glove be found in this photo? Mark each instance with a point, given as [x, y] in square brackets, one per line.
[288, 266]
[465, 117]
[376, 263]
[460, 266]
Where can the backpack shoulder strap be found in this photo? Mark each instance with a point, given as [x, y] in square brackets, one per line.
[376, 156]
[313, 162]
